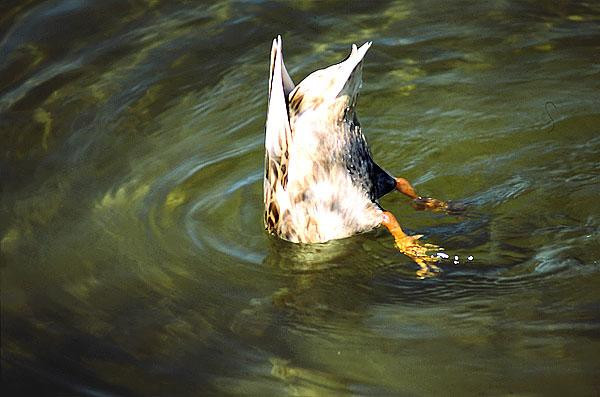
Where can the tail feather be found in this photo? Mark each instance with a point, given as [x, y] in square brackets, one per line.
[278, 135]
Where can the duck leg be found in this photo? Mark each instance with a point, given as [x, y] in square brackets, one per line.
[420, 203]
[411, 247]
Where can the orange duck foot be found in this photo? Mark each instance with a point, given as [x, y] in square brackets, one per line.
[419, 252]
[426, 203]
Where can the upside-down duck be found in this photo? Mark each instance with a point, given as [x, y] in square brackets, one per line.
[320, 180]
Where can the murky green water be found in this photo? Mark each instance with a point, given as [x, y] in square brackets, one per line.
[134, 261]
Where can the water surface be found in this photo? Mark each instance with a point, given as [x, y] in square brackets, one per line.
[134, 260]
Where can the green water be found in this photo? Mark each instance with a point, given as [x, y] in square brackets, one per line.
[133, 256]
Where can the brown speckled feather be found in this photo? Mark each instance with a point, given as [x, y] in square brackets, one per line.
[278, 135]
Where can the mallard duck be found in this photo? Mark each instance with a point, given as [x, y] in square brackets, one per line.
[320, 180]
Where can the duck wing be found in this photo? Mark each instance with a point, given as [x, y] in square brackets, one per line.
[278, 135]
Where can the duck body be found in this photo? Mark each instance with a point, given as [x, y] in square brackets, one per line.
[321, 182]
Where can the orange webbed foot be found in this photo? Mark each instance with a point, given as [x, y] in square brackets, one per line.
[427, 203]
[410, 246]
[435, 205]
[431, 204]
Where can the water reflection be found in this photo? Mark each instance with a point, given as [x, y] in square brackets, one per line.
[134, 261]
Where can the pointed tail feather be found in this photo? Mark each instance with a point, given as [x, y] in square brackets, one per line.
[277, 50]
[278, 125]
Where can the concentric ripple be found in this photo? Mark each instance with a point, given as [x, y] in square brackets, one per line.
[132, 250]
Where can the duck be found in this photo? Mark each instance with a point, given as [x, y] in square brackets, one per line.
[320, 180]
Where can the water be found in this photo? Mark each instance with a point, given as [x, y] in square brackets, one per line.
[134, 261]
